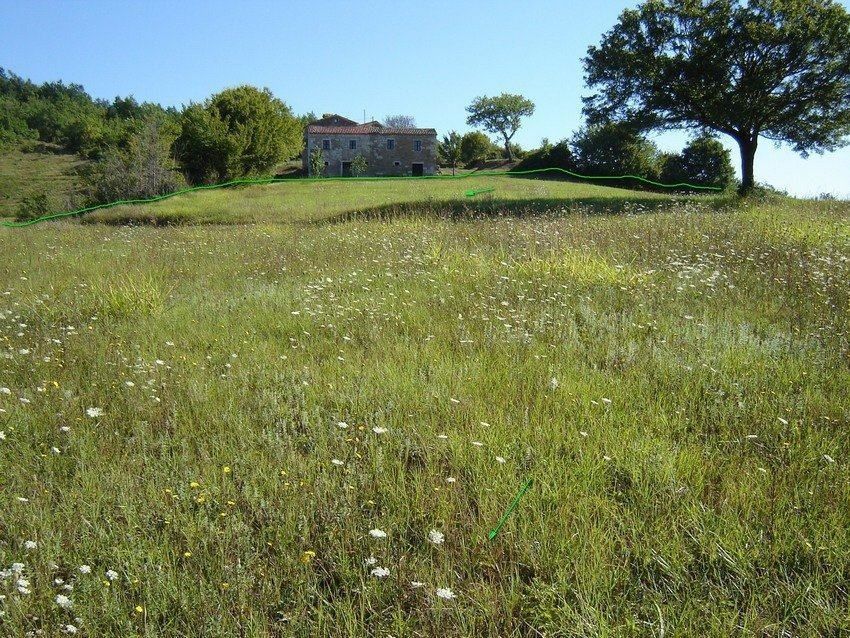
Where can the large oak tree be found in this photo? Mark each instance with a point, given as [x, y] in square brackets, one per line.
[772, 69]
[500, 114]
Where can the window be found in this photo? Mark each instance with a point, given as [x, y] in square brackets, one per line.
[352, 144]
[417, 145]
[326, 164]
[390, 145]
[397, 163]
[326, 145]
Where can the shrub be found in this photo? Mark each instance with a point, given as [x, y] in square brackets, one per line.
[614, 149]
[238, 132]
[35, 205]
[703, 161]
[359, 166]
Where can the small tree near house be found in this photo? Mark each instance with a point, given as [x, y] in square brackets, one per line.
[317, 163]
[359, 166]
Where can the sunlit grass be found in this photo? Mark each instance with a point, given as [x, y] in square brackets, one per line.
[675, 383]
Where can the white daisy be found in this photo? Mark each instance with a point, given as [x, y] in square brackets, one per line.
[111, 574]
[94, 412]
[85, 569]
[380, 572]
[30, 545]
[63, 601]
[445, 593]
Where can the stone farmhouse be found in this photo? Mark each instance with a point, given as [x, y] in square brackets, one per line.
[387, 151]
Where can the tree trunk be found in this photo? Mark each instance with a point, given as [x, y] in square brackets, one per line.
[748, 147]
[508, 150]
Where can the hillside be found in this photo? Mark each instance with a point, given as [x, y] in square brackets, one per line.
[34, 167]
[299, 427]
[302, 201]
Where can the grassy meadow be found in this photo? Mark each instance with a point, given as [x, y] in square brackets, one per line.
[302, 415]
[35, 167]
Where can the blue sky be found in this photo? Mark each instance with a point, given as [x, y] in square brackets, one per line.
[428, 59]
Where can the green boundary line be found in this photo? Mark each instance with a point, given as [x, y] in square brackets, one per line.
[493, 532]
[274, 180]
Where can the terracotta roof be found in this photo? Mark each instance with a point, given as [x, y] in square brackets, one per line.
[366, 129]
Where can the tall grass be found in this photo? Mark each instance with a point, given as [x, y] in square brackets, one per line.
[222, 414]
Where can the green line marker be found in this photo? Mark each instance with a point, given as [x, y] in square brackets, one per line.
[275, 180]
[473, 193]
[492, 534]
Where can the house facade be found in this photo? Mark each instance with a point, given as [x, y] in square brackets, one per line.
[388, 151]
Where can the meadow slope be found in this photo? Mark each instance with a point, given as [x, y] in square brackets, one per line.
[297, 427]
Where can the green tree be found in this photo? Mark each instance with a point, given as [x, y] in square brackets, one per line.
[450, 150]
[317, 163]
[614, 149]
[474, 146]
[359, 166]
[144, 169]
[703, 161]
[776, 69]
[238, 132]
[500, 115]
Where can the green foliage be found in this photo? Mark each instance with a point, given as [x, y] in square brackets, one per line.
[359, 166]
[501, 115]
[34, 205]
[143, 170]
[450, 150]
[238, 132]
[476, 146]
[777, 69]
[549, 156]
[703, 161]
[317, 163]
[614, 149]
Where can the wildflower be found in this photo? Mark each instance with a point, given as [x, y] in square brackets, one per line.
[2, 435]
[553, 383]
[500, 459]
[450, 479]
[782, 421]
[377, 533]
[477, 443]
[416, 584]
[341, 425]
[442, 436]
[69, 629]
[30, 545]
[378, 430]
[453, 400]
[436, 537]
[111, 574]
[380, 572]
[445, 593]
[368, 562]
[129, 384]
[828, 458]
[307, 556]
[65, 429]
[606, 401]
[337, 462]
[85, 569]
[94, 412]
[63, 601]
[139, 609]
[187, 554]
[226, 469]
[5, 391]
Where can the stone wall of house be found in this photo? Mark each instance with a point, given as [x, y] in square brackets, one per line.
[382, 161]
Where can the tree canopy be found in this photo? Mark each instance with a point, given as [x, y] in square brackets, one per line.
[775, 69]
[240, 131]
[500, 115]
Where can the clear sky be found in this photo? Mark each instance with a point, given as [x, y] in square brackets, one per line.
[428, 59]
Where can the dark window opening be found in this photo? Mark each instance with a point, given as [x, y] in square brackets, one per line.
[352, 144]
[417, 145]
[326, 145]
[390, 145]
